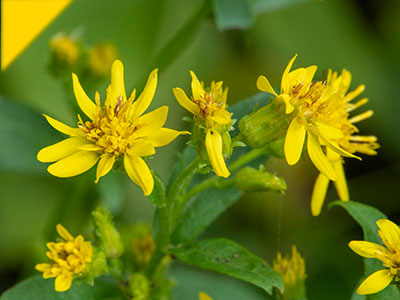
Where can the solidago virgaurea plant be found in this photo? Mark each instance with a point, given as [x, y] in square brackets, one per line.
[132, 261]
[116, 129]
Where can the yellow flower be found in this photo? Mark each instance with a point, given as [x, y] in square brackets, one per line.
[320, 110]
[70, 258]
[389, 256]
[100, 59]
[350, 141]
[65, 49]
[117, 129]
[292, 269]
[204, 296]
[209, 108]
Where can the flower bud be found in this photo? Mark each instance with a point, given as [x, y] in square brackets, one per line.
[64, 51]
[143, 247]
[252, 180]
[138, 287]
[264, 126]
[100, 59]
[106, 232]
[292, 269]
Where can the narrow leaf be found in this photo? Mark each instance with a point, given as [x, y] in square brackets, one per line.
[226, 257]
[233, 14]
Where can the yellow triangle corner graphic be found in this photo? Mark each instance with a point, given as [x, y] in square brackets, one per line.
[21, 23]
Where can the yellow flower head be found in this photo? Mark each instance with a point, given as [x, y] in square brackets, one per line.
[208, 105]
[321, 110]
[116, 129]
[291, 268]
[389, 256]
[70, 258]
[65, 49]
[100, 59]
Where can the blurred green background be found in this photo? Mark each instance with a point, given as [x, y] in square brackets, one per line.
[361, 36]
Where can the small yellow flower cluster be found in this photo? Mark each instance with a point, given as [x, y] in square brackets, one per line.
[70, 258]
[389, 233]
[208, 105]
[64, 49]
[100, 59]
[321, 110]
[143, 247]
[292, 270]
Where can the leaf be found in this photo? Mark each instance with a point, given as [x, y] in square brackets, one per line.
[111, 190]
[210, 204]
[158, 197]
[23, 133]
[37, 288]
[366, 216]
[263, 6]
[235, 14]
[226, 257]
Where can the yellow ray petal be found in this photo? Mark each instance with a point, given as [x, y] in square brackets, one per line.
[90, 147]
[151, 122]
[285, 98]
[145, 98]
[63, 128]
[164, 136]
[285, 85]
[197, 89]
[309, 74]
[361, 117]
[43, 267]
[84, 102]
[222, 116]
[319, 193]
[340, 183]
[294, 140]
[350, 96]
[61, 149]
[140, 173]
[375, 283]
[390, 234]
[63, 282]
[214, 150]
[64, 233]
[185, 102]
[117, 88]
[264, 85]
[74, 164]
[105, 165]
[368, 249]
[328, 131]
[141, 148]
[318, 158]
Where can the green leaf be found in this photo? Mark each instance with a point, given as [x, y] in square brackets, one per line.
[23, 133]
[111, 190]
[158, 197]
[37, 288]
[210, 204]
[264, 6]
[226, 257]
[366, 216]
[233, 14]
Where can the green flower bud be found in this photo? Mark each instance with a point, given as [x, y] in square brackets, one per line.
[138, 287]
[264, 126]
[252, 180]
[107, 234]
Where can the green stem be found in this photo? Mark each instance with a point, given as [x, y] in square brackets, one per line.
[165, 214]
[216, 182]
[248, 157]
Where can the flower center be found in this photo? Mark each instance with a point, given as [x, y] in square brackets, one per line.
[113, 130]
[208, 104]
